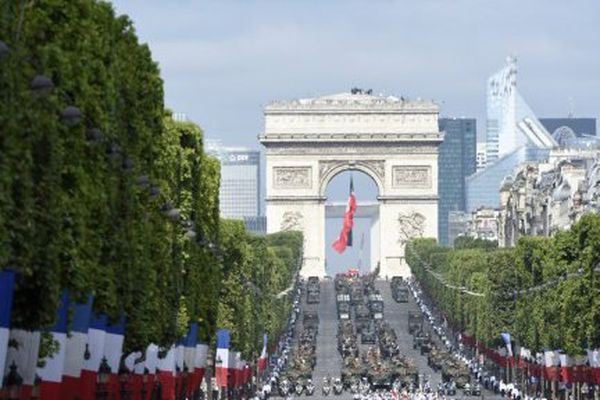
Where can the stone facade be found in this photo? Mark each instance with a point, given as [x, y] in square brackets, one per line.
[542, 198]
[307, 142]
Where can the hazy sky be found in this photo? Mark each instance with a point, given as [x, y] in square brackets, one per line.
[222, 61]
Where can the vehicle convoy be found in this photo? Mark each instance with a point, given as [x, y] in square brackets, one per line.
[399, 289]
[415, 322]
[313, 290]
[379, 364]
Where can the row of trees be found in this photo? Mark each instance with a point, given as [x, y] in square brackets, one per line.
[120, 202]
[544, 291]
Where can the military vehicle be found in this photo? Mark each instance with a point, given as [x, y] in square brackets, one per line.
[376, 309]
[356, 294]
[310, 319]
[368, 335]
[313, 297]
[415, 322]
[400, 294]
[344, 310]
[422, 341]
[362, 316]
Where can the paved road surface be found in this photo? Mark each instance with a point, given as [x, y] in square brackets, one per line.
[328, 358]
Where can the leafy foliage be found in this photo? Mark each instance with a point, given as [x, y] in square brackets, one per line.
[82, 207]
[523, 290]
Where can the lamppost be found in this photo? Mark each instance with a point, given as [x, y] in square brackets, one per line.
[144, 389]
[124, 391]
[102, 380]
[12, 383]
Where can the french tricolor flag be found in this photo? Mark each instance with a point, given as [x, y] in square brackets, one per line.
[134, 363]
[75, 350]
[7, 285]
[94, 355]
[345, 238]
[24, 356]
[113, 349]
[166, 373]
[262, 361]
[145, 366]
[200, 363]
[222, 357]
[189, 355]
[52, 371]
[179, 362]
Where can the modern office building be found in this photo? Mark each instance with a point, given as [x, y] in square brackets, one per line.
[456, 161]
[481, 156]
[239, 194]
[513, 134]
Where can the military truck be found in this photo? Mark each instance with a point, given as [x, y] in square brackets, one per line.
[343, 309]
[415, 322]
[362, 316]
[400, 294]
[313, 296]
[376, 306]
[422, 341]
[310, 319]
[368, 334]
[356, 294]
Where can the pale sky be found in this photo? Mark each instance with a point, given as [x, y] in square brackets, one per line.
[223, 60]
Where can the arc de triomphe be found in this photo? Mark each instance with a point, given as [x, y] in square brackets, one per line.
[394, 141]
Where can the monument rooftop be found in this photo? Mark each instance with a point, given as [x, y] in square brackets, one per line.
[356, 116]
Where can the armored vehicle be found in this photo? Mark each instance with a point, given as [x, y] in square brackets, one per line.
[313, 297]
[356, 294]
[344, 310]
[422, 341]
[400, 294]
[415, 322]
[310, 319]
[368, 335]
[362, 316]
[376, 309]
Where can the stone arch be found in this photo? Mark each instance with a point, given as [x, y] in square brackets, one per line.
[328, 170]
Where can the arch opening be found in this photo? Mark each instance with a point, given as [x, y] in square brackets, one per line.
[364, 252]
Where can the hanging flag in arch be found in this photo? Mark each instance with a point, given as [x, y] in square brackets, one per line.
[345, 238]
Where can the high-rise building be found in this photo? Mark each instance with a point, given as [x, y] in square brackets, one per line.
[513, 134]
[481, 156]
[456, 161]
[239, 193]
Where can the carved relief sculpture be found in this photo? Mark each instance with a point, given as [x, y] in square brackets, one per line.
[292, 177]
[410, 226]
[409, 176]
[292, 221]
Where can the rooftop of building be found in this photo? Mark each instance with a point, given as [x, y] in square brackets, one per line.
[355, 99]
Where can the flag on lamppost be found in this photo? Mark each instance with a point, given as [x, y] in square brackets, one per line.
[345, 238]
[222, 357]
[95, 353]
[77, 350]
[7, 285]
[506, 339]
[52, 371]
[262, 361]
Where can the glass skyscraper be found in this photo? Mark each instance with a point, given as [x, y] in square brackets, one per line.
[456, 161]
[513, 135]
[239, 194]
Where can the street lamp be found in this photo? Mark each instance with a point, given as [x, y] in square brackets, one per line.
[144, 390]
[94, 135]
[13, 382]
[71, 116]
[4, 50]
[41, 85]
[102, 380]
[123, 380]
